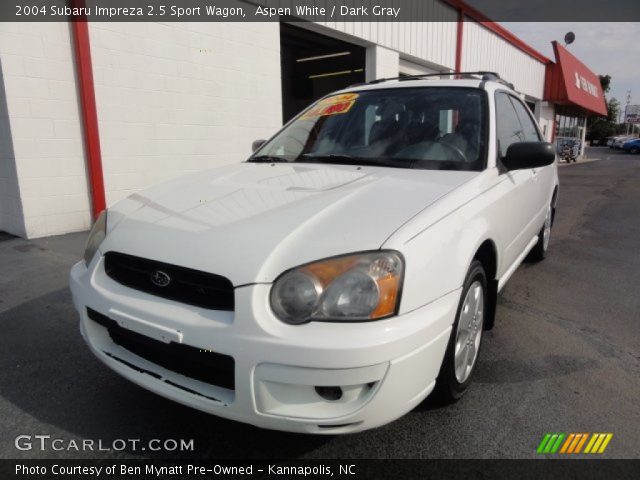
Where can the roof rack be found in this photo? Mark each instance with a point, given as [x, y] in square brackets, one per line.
[484, 76]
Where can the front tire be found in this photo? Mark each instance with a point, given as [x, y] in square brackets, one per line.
[462, 351]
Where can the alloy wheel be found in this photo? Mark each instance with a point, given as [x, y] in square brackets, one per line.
[469, 332]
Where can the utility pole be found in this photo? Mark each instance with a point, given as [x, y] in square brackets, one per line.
[626, 109]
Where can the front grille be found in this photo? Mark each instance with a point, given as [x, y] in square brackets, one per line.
[203, 365]
[185, 285]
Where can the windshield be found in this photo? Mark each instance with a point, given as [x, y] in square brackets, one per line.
[439, 128]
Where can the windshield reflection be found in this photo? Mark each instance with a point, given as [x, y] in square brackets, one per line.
[438, 128]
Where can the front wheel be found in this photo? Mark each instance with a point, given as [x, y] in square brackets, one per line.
[466, 337]
[634, 150]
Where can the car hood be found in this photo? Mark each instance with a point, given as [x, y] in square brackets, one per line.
[250, 222]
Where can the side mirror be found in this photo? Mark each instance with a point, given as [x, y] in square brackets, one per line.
[521, 156]
[256, 144]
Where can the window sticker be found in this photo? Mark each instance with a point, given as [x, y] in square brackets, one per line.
[334, 105]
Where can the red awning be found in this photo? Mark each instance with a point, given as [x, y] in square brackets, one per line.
[570, 82]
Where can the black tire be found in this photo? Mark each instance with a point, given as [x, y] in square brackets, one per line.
[634, 150]
[539, 251]
[448, 389]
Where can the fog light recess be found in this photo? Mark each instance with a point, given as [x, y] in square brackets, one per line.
[329, 393]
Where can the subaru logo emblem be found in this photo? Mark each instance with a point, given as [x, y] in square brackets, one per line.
[160, 278]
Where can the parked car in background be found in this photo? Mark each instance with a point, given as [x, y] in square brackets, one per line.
[632, 146]
[613, 141]
[619, 141]
[610, 141]
[342, 273]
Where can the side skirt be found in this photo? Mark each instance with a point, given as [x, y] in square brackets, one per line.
[514, 266]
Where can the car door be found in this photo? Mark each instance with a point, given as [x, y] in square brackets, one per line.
[519, 205]
[542, 176]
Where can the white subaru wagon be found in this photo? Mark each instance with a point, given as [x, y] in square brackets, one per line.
[342, 273]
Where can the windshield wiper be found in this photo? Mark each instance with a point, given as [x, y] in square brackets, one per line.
[328, 158]
[268, 159]
[346, 160]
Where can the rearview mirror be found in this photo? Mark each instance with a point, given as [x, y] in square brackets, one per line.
[525, 155]
[257, 144]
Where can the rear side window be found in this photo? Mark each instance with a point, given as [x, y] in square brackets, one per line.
[508, 125]
[528, 127]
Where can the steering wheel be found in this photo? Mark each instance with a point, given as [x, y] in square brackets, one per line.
[457, 152]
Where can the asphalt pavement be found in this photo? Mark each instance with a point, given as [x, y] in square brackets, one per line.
[564, 355]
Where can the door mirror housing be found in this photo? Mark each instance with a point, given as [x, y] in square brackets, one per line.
[256, 144]
[524, 155]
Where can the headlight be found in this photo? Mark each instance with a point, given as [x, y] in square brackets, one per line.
[96, 236]
[357, 287]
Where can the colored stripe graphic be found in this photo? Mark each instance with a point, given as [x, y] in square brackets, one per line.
[567, 442]
[572, 443]
[555, 447]
[607, 439]
[551, 443]
[543, 443]
[581, 443]
[598, 443]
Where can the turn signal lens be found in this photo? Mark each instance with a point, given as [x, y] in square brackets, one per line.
[349, 288]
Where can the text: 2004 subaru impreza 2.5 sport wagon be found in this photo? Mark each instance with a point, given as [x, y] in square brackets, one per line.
[341, 274]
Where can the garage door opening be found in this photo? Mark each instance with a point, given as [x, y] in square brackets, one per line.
[314, 65]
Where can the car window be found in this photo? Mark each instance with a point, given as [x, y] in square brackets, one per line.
[528, 127]
[509, 130]
[407, 127]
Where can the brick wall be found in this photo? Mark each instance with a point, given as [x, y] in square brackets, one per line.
[171, 99]
[178, 98]
[11, 219]
[42, 117]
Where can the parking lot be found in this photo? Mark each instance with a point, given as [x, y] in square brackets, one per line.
[564, 355]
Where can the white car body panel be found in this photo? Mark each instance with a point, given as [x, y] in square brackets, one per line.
[252, 222]
[287, 207]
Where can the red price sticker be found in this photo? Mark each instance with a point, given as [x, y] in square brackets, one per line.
[335, 105]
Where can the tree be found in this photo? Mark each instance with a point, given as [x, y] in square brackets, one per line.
[600, 128]
[613, 110]
[605, 82]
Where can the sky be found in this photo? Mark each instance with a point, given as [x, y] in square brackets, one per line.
[606, 48]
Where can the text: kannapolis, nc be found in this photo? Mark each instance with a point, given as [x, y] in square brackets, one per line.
[47, 442]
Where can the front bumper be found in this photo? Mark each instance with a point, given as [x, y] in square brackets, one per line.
[384, 368]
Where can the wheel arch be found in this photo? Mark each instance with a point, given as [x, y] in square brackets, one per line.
[487, 255]
[554, 201]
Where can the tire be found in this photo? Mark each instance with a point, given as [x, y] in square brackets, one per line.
[453, 382]
[539, 251]
[634, 150]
